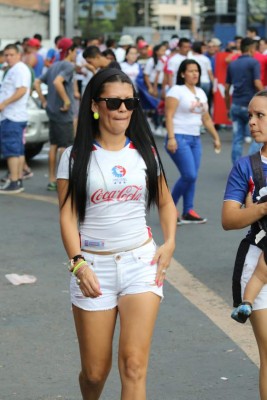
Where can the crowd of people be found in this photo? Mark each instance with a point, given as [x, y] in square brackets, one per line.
[112, 99]
[153, 70]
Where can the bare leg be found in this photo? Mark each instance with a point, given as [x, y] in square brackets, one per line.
[259, 323]
[13, 168]
[256, 282]
[21, 165]
[138, 313]
[95, 330]
[52, 162]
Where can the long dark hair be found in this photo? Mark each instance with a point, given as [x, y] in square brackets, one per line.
[138, 132]
[180, 80]
[154, 54]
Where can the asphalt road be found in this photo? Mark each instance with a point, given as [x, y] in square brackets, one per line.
[198, 352]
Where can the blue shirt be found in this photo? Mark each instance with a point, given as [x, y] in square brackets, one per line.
[240, 181]
[242, 73]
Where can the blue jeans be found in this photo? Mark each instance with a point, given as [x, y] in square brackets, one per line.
[11, 138]
[239, 116]
[187, 159]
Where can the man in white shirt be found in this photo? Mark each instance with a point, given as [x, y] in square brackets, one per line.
[174, 62]
[14, 94]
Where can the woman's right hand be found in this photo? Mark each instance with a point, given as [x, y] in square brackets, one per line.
[89, 283]
[172, 145]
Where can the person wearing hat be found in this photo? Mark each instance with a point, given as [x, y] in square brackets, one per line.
[124, 42]
[59, 104]
[144, 53]
[32, 58]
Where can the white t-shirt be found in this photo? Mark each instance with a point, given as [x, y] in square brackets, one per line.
[120, 54]
[174, 64]
[187, 119]
[132, 70]
[16, 77]
[205, 66]
[115, 216]
[151, 70]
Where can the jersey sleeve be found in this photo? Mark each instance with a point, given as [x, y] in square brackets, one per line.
[174, 91]
[240, 182]
[63, 167]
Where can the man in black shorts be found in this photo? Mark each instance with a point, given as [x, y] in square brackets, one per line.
[59, 104]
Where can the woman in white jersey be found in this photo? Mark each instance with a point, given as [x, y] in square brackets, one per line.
[130, 65]
[106, 183]
[186, 109]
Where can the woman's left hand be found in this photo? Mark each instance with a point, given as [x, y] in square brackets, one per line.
[217, 145]
[162, 257]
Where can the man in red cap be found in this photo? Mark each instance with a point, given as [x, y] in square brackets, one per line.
[32, 58]
[143, 50]
[59, 104]
[64, 45]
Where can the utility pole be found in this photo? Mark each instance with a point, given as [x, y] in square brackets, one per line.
[54, 19]
[69, 20]
[146, 12]
[241, 17]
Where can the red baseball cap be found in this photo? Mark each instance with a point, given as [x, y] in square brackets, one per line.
[64, 45]
[34, 43]
[142, 44]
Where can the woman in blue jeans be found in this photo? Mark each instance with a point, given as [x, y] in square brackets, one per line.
[186, 109]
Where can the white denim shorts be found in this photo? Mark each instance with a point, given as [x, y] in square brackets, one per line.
[119, 274]
[250, 264]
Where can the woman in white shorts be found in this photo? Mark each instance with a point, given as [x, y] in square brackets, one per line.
[242, 189]
[106, 182]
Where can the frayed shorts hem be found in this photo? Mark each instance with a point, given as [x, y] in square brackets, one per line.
[120, 274]
[108, 308]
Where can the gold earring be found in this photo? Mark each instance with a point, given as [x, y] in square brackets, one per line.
[96, 115]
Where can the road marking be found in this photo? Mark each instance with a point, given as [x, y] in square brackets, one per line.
[46, 199]
[214, 307]
[203, 298]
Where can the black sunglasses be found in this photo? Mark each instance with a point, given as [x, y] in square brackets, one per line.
[114, 103]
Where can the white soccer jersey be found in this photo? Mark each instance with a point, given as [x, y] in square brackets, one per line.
[116, 205]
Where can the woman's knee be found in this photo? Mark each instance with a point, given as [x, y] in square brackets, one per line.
[134, 368]
[94, 376]
[189, 178]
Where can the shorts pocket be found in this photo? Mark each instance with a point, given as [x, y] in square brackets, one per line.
[144, 255]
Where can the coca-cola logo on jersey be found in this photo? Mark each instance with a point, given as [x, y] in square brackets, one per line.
[128, 193]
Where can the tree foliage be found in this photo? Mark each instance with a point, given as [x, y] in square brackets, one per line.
[125, 15]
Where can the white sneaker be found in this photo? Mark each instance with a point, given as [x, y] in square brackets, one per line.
[158, 131]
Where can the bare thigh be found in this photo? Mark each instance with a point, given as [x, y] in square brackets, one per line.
[258, 321]
[95, 331]
[138, 314]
